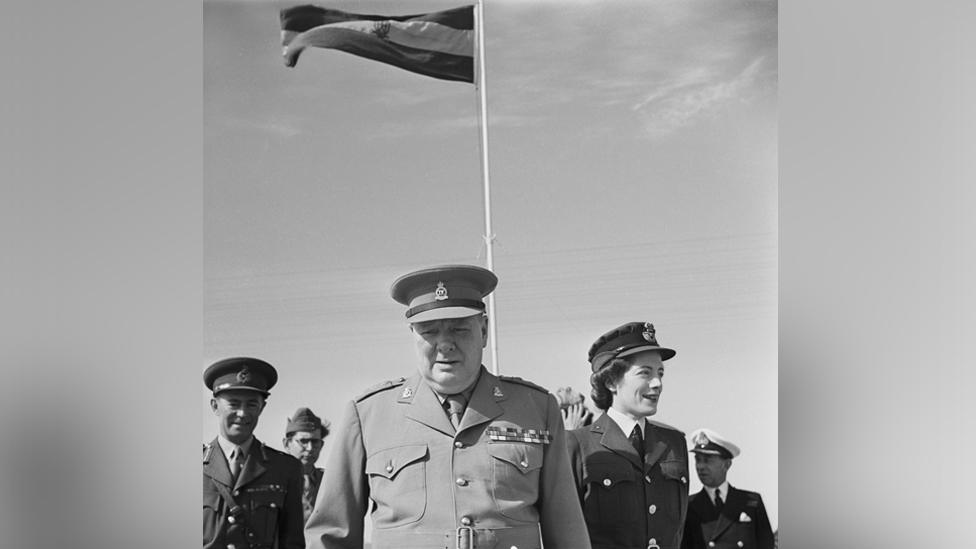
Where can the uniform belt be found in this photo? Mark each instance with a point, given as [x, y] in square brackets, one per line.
[464, 537]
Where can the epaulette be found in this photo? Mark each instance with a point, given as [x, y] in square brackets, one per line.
[207, 452]
[520, 381]
[388, 384]
[665, 426]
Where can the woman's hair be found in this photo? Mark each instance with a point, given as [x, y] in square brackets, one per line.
[608, 375]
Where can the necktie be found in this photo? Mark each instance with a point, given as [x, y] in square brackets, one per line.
[718, 499]
[236, 461]
[308, 500]
[637, 440]
[455, 408]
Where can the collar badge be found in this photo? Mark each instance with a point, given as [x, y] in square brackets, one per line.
[497, 392]
[407, 392]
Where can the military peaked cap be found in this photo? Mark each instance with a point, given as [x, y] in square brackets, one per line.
[706, 441]
[240, 373]
[629, 339]
[447, 291]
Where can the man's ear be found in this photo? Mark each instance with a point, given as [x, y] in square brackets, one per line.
[484, 331]
[213, 404]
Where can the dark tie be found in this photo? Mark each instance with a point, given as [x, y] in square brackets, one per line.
[308, 499]
[455, 408]
[718, 499]
[637, 440]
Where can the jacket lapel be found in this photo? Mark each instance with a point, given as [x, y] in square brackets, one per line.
[254, 465]
[729, 512]
[215, 464]
[613, 439]
[424, 407]
[483, 404]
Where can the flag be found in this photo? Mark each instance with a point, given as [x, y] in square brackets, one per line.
[439, 44]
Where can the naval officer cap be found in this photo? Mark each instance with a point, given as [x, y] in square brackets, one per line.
[447, 291]
[626, 340]
[240, 373]
[706, 441]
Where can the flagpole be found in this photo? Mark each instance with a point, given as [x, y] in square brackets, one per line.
[489, 235]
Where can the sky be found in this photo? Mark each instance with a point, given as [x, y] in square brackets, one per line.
[633, 162]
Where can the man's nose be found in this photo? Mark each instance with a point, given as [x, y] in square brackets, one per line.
[656, 382]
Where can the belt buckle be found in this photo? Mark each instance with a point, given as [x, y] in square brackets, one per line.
[465, 537]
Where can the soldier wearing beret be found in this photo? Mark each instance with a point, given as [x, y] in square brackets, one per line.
[722, 516]
[304, 436]
[251, 493]
[452, 456]
[631, 473]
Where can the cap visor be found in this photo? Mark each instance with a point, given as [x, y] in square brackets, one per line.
[442, 313]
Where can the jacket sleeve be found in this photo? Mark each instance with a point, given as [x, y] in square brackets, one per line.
[573, 446]
[764, 532]
[338, 518]
[560, 514]
[290, 535]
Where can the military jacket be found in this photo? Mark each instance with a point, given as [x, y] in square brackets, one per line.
[268, 496]
[629, 504]
[501, 480]
[308, 498]
[743, 522]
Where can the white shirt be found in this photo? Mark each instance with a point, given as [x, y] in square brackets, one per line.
[228, 446]
[626, 423]
[724, 490]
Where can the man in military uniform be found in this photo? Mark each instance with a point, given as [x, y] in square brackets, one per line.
[721, 516]
[304, 436]
[251, 493]
[631, 473]
[452, 457]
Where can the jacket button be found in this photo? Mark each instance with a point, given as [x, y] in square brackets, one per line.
[237, 492]
[458, 444]
[607, 482]
[647, 478]
[231, 546]
[461, 482]
[389, 468]
[711, 544]
[652, 509]
[466, 521]
[231, 520]
[272, 505]
[739, 543]
[524, 463]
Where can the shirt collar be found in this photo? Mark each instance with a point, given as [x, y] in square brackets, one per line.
[626, 424]
[724, 487]
[228, 446]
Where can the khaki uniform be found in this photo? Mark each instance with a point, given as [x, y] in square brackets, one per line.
[268, 492]
[501, 481]
[629, 504]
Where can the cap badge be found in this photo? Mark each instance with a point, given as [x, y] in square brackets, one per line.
[497, 392]
[648, 332]
[407, 392]
[243, 375]
[440, 294]
[701, 439]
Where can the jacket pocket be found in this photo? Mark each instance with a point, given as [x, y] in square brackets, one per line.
[613, 494]
[266, 503]
[398, 484]
[515, 470]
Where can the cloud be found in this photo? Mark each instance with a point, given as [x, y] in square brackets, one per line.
[693, 95]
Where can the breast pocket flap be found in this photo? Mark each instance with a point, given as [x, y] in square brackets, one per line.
[387, 463]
